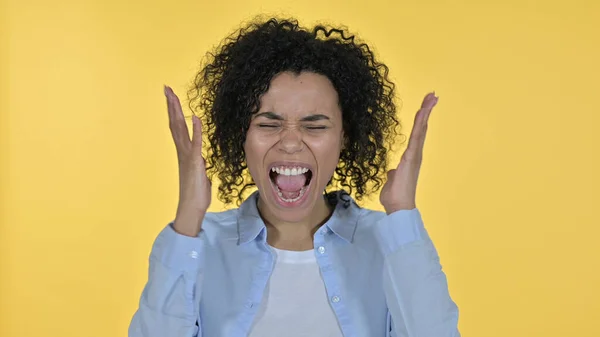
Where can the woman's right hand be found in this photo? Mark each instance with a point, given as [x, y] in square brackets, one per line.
[194, 185]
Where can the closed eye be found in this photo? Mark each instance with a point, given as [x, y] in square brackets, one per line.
[322, 127]
[268, 125]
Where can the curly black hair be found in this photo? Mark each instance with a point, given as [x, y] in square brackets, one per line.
[226, 93]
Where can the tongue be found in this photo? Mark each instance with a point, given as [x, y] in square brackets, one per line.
[290, 183]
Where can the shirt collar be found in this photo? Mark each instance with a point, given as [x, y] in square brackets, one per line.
[343, 221]
[249, 224]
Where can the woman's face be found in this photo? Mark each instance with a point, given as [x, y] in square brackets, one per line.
[293, 144]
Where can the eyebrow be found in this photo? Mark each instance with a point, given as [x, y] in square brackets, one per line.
[309, 118]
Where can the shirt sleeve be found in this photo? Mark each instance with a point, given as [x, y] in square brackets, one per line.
[415, 286]
[168, 305]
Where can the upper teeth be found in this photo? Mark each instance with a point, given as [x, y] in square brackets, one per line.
[289, 171]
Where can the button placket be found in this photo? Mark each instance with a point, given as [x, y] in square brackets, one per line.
[328, 271]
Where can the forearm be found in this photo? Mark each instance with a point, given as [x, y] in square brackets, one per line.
[168, 305]
[415, 286]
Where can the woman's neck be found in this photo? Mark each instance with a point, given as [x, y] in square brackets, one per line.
[296, 236]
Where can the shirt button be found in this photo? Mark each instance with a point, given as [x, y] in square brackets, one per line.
[194, 254]
[321, 250]
[335, 299]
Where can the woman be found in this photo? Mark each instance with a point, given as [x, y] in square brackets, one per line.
[307, 117]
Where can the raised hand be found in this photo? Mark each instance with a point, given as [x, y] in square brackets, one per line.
[399, 192]
[194, 185]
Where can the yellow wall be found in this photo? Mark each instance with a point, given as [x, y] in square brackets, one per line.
[88, 171]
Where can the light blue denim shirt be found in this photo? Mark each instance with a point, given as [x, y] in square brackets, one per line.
[381, 272]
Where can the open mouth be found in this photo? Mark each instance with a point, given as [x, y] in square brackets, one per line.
[290, 182]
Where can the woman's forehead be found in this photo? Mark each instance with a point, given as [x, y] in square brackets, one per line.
[306, 93]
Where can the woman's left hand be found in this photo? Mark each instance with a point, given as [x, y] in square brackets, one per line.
[399, 192]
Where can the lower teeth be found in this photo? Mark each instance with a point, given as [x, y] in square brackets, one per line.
[294, 199]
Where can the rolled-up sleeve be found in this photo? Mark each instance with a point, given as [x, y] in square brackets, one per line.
[168, 305]
[416, 288]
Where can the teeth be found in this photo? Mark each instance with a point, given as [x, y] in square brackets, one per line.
[294, 199]
[286, 171]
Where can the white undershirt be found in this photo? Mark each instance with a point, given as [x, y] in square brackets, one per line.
[295, 303]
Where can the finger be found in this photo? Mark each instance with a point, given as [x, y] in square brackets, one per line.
[197, 136]
[422, 116]
[179, 129]
[429, 103]
[418, 134]
[391, 173]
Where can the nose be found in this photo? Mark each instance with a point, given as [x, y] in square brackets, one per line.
[291, 141]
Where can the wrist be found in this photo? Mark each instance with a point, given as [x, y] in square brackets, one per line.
[188, 225]
[389, 209]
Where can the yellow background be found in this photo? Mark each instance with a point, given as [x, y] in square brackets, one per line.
[508, 188]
